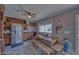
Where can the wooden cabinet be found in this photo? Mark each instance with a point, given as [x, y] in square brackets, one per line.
[10, 20]
[1, 47]
[27, 36]
[1, 27]
[7, 39]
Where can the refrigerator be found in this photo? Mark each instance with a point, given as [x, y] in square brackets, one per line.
[16, 35]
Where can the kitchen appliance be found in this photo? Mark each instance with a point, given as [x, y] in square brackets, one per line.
[16, 35]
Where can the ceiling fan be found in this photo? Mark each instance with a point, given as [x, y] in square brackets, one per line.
[29, 13]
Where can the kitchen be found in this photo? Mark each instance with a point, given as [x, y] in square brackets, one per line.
[51, 23]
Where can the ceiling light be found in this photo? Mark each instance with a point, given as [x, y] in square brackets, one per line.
[29, 16]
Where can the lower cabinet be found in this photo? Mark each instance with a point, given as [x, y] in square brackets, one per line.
[7, 39]
[0, 51]
[27, 36]
[0, 48]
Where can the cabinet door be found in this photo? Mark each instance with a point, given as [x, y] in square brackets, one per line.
[7, 41]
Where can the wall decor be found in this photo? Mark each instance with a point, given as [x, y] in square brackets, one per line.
[58, 27]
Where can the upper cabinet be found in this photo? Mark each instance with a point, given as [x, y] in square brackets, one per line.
[10, 20]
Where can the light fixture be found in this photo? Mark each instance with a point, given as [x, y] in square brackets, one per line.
[29, 16]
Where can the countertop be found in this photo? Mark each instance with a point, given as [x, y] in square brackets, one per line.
[8, 32]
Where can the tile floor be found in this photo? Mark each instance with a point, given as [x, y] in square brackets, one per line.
[25, 49]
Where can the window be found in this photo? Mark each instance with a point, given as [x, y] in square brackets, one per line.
[41, 28]
[45, 28]
[48, 28]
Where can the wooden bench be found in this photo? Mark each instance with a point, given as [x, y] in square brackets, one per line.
[42, 46]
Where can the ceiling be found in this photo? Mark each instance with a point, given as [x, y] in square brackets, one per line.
[42, 10]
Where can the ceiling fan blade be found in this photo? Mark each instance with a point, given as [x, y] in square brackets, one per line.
[34, 14]
[25, 11]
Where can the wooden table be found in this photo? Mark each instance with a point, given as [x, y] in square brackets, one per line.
[46, 38]
[42, 46]
[58, 47]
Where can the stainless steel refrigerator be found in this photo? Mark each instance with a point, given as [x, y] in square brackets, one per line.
[16, 35]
